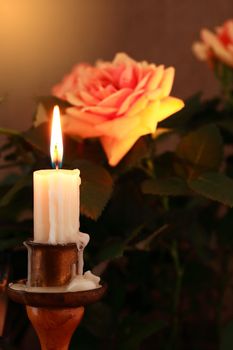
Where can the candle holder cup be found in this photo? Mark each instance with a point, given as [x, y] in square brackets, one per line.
[54, 315]
[50, 265]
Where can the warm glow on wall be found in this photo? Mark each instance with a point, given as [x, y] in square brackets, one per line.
[40, 41]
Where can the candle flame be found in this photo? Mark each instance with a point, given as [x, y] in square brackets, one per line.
[56, 144]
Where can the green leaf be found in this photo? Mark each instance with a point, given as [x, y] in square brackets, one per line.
[96, 189]
[134, 156]
[112, 249]
[215, 186]
[199, 151]
[19, 185]
[45, 108]
[41, 115]
[140, 332]
[39, 137]
[9, 132]
[172, 186]
[227, 337]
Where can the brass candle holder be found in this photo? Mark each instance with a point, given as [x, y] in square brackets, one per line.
[54, 315]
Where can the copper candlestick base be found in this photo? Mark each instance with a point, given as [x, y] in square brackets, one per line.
[55, 327]
[54, 315]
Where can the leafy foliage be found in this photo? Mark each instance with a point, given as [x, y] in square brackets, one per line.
[214, 186]
[160, 223]
[199, 151]
[96, 187]
[173, 186]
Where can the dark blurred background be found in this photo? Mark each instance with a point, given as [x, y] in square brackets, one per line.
[41, 40]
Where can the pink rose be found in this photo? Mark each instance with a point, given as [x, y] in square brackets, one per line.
[117, 102]
[218, 45]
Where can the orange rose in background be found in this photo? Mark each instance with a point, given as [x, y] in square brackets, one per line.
[117, 101]
[218, 45]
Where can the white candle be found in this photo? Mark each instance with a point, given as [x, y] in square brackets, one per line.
[56, 206]
[56, 196]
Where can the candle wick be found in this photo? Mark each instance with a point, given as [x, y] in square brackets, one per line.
[56, 157]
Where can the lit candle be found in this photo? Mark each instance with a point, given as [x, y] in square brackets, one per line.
[56, 196]
[56, 217]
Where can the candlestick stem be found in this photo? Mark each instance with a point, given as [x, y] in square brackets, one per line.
[55, 326]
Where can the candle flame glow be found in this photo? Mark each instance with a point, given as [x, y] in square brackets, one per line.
[56, 144]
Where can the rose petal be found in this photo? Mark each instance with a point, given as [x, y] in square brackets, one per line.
[155, 78]
[230, 30]
[138, 72]
[84, 116]
[66, 85]
[225, 33]
[167, 107]
[128, 78]
[120, 127]
[142, 83]
[74, 100]
[138, 106]
[200, 50]
[106, 70]
[153, 95]
[100, 92]
[116, 149]
[148, 117]
[88, 99]
[213, 42]
[129, 101]
[157, 111]
[167, 81]
[70, 81]
[74, 126]
[122, 58]
[101, 110]
[116, 99]
[230, 48]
